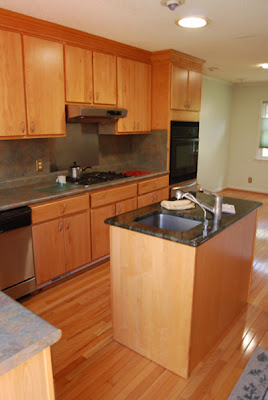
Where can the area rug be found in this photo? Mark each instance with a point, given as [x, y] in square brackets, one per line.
[253, 383]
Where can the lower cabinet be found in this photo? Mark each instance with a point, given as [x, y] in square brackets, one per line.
[61, 246]
[153, 197]
[100, 231]
[152, 191]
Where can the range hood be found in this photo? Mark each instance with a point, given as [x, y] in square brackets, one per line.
[86, 115]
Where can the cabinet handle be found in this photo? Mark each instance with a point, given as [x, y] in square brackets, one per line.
[60, 226]
[63, 208]
[23, 127]
[32, 127]
[185, 104]
[134, 126]
[156, 197]
[97, 95]
[90, 95]
[113, 212]
[153, 197]
[138, 125]
[68, 224]
[119, 209]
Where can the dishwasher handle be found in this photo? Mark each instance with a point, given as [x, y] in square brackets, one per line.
[15, 218]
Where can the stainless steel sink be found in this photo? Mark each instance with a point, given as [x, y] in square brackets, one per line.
[168, 221]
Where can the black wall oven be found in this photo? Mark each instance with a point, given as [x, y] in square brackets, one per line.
[183, 151]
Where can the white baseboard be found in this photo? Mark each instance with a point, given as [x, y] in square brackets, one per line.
[247, 189]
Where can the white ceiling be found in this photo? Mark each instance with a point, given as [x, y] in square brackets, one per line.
[232, 45]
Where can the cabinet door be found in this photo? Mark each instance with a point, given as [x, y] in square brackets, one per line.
[126, 93]
[126, 206]
[194, 90]
[12, 116]
[104, 73]
[142, 97]
[44, 77]
[48, 244]
[78, 75]
[77, 241]
[179, 87]
[100, 231]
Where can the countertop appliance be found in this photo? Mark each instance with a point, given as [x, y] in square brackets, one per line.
[184, 142]
[93, 178]
[17, 277]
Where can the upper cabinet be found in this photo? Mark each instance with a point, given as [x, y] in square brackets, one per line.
[12, 116]
[78, 72]
[134, 94]
[44, 82]
[104, 78]
[85, 70]
[176, 88]
[185, 89]
[35, 106]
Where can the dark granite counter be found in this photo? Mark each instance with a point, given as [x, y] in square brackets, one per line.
[23, 334]
[29, 194]
[195, 236]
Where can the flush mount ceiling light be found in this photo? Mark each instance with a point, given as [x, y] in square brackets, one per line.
[192, 22]
[264, 66]
[172, 4]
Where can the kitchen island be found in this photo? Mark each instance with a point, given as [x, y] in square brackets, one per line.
[25, 361]
[174, 294]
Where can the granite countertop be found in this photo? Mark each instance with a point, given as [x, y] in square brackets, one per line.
[22, 334]
[195, 236]
[29, 194]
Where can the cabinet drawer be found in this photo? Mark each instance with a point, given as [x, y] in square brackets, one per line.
[126, 205]
[154, 197]
[113, 195]
[152, 184]
[57, 208]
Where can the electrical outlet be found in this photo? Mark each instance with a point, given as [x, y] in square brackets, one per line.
[39, 165]
[249, 179]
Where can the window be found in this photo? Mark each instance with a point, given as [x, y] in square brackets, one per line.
[263, 143]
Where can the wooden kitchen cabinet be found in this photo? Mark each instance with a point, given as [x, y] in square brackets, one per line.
[104, 78]
[185, 89]
[152, 191]
[106, 204]
[78, 75]
[134, 94]
[61, 236]
[12, 116]
[44, 83]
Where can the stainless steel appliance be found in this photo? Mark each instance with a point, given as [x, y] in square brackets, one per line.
[93, 178]
[84, 115]
[184, 142]
[17, 276]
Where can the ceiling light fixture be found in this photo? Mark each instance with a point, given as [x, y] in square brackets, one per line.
[172, 4]
[264, 66]
[192, 22]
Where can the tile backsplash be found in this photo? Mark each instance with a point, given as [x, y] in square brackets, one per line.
[118, 153]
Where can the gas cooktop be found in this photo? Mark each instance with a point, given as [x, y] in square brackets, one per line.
[93, 178]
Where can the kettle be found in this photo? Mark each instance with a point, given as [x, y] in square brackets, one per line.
[76, 172]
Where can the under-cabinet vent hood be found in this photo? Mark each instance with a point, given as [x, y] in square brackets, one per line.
[86, 115]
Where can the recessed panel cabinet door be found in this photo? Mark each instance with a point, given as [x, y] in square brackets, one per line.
[44, 78]
[48, 243]
[194, 90]
[126, 93]
[100, 231]
[12, 115]
[77, 240]
[78, 72]
[143, 97]
[104, 73]
[179, 87]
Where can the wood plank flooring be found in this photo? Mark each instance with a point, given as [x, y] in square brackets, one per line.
[89, 364]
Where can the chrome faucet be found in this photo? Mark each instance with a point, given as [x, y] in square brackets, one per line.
[216, 210]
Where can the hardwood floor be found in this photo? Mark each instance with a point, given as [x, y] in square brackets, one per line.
[89, 364]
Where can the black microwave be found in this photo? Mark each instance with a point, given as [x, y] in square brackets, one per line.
[184, 140]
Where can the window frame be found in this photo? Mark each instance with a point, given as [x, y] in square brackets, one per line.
[259, 155]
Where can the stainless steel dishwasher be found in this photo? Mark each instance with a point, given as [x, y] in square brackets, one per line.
[17, 276]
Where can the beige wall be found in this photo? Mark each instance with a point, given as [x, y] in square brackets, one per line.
[214, 133]
[244, 140]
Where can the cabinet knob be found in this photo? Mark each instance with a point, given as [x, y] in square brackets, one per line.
[22, 127]
[60, 226]
[68, 224]
[90, 95]
[97, 95]
[113, 212]
[63, 208]
[134, 126]
[153, 197]
[32, 126]
[120, 209]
